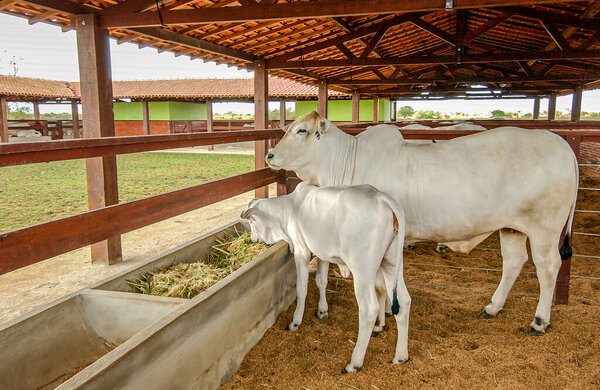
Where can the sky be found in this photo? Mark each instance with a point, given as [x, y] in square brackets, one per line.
[46, 52]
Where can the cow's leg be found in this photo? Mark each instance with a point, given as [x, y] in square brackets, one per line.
[380, 290]
[321, 280]
[364, 288]
[547, 264]
[404, 301]
[302, 259]
[513, 245]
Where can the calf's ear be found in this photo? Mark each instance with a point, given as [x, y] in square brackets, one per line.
[246, 214]
[323, 126]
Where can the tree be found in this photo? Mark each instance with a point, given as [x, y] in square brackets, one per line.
[498, 113]
[406, 111]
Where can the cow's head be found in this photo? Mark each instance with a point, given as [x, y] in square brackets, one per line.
[303, 142]
[264, 227]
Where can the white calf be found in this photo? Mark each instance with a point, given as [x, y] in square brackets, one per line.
[354, 226]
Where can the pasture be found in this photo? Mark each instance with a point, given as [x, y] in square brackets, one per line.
[448, 346]
[37, 193]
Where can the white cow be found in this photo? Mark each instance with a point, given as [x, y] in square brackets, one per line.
[521, 182]
[355, 226]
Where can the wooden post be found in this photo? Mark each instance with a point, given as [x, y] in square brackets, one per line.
[3, 120]
[261, 114]
[536, 107]
[281, 182]
[98, 121]
[75, 119]
[576, 105]
[145, 117]
[355, 107]
[552, 107]
[36, 111]
[561, 291]
[209, 120]
[375, 109]
[322, 98]
[393, 113]
[282, 113]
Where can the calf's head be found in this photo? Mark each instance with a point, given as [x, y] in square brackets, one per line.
[264, 227]
[302, 143]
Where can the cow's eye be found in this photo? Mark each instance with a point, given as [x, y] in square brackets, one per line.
[301, 131]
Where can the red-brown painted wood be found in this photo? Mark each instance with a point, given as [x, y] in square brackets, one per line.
[261, 115]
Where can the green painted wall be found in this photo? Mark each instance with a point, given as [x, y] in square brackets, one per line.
[160, 111]
[341, 110]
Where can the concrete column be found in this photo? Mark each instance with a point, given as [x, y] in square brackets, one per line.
[355, 107]
[552, 107]
[536, 107]
[576, 105]
[261, 114]
[393, 113]
[322, 98]
[98, 121]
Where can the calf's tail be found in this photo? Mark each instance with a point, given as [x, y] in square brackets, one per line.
[398, 212]
[566, 251]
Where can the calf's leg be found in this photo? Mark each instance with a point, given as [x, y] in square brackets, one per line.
[321, 280]
[364, 288]
[380, 290]
[302, 259]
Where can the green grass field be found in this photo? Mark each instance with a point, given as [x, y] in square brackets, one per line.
[37, 193]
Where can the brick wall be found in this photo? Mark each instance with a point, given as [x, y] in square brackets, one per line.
[123, 128]
[590, 154]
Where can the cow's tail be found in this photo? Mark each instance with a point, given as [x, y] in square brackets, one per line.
[400, 231]
[566, 251]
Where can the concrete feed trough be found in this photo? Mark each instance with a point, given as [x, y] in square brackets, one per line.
[158, 342]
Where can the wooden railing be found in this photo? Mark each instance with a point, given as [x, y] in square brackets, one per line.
[53, 128]
[199, 126]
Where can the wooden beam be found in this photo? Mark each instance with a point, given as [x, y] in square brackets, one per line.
[145, 117]
[556, 35]
[29, 245]
[552, 106]
[75, 119]
[282, 113]
[573, 21]
[474, 79]
[322, 98]
[576, 104]
[536, 107]
[512, 56]
[487, 26]
[187, 41]
[433, 30]
[355, 107]
[341, 47]
[3, 120]
[98, 121]
[375, 109]
[7, 4]
[37, 152]
[41, 17]
[261, 116]
[526, 68]
[373, 42]
[129, 6]
[209, 120]
[295, 10]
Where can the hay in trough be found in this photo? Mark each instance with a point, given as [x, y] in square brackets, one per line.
[186, 280]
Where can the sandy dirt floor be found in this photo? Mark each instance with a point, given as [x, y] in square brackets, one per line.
[449, 347]
[38, 284]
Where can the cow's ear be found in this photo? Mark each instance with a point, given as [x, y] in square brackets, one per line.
[286, 127]
[323, 126]
[246, 214]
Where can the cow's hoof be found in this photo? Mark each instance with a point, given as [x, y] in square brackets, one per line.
[484, 315]
[350, 368]
[531, 331]
[388, 314]
[376, 333]
[409, 246]
[293, 326]
[399, 361]
[441, 249]
[321, 314]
